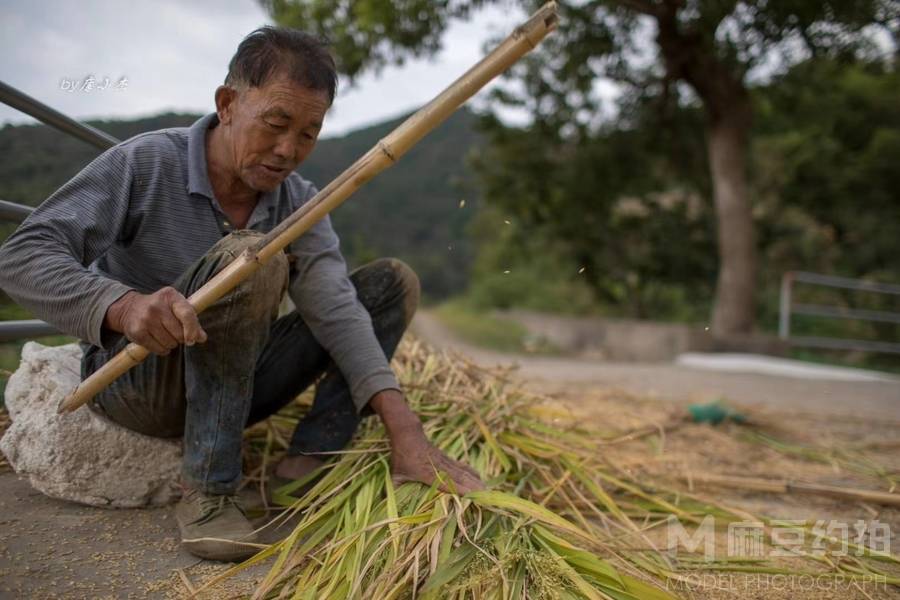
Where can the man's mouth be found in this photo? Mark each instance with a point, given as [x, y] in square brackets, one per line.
[274, 170]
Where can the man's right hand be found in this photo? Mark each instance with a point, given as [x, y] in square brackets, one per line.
[159, 322]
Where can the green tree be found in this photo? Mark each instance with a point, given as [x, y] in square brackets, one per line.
[680, 51]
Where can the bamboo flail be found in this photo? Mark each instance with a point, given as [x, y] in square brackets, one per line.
[781, 486]
[524, 39]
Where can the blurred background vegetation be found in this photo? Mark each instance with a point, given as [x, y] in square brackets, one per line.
[608, 210]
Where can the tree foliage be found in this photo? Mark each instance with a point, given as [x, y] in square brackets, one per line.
[825, 157]
[373, 33]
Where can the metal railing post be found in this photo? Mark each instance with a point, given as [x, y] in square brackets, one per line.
[787, 307]
[784, 306]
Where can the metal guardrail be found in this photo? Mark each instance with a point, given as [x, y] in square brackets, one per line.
[787, 308]
[52, 117]
[10, 211]
[17, 330]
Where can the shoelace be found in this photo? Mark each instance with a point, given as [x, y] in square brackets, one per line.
[210, 506]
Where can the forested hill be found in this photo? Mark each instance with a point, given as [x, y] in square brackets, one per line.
[411, 211]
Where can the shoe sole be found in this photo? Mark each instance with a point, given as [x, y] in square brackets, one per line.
[220, 550]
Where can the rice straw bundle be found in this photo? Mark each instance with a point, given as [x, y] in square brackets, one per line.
[556, 522]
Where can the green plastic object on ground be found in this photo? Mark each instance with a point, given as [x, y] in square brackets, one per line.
[714, 413]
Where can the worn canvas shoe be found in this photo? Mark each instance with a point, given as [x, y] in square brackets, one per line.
[215, 527]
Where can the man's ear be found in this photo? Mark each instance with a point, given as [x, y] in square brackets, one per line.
[226, 99]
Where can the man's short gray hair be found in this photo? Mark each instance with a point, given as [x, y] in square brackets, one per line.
[270, 51]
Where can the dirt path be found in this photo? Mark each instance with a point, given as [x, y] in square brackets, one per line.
[668, 381]
[55, 549]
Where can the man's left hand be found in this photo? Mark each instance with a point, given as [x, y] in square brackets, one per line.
[413, 457]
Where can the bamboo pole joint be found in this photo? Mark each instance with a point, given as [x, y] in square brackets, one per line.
[386, 150]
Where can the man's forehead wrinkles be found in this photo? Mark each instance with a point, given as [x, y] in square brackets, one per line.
[295, 98]
[303, 113]
[287, 102]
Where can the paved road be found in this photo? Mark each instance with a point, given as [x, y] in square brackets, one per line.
[669, 381]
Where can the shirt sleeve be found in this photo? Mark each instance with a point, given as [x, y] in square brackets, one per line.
[44, 263]
[326, 300]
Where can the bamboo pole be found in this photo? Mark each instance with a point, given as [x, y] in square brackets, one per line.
[780, 486]
[385, 153]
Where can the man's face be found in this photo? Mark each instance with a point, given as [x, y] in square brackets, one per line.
[272, 129]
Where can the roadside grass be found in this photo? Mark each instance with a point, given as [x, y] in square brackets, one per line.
[487, 330]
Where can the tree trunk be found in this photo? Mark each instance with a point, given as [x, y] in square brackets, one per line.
[690, 56]
[735, 307]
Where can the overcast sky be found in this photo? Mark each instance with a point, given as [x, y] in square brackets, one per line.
[173, 54]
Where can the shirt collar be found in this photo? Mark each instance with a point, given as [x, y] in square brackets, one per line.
[198, 176]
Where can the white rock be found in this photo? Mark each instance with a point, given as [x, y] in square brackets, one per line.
[80, 456]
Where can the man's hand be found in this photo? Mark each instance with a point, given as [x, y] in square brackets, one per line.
[159, 322]
[413, 457]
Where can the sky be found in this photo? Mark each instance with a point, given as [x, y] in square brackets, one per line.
[170, 55]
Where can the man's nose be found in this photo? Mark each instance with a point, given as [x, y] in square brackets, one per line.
[285, 148]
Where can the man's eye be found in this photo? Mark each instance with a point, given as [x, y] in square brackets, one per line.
[275, 125]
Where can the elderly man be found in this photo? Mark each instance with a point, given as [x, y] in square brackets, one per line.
[111, 256]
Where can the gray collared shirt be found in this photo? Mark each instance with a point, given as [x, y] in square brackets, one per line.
[143, 211]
